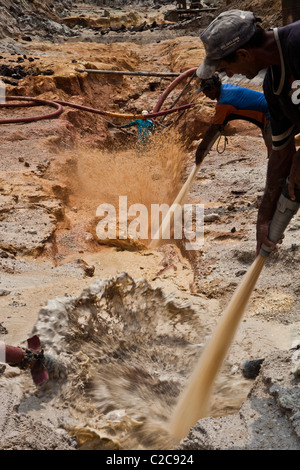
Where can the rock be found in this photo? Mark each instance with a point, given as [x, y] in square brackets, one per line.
[240, 273]
[211, 217]
[268, 419]
[296, 371]
[250, 369]
[26, 230]
[4, 292]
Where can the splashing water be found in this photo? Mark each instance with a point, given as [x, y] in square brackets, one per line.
[94, 177]
[126, 347]
[194, 401]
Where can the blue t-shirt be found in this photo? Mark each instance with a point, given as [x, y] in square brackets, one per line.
[243, 98]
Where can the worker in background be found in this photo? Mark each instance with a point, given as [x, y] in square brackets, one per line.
[236, 44]
[233, 102]
[145, 128]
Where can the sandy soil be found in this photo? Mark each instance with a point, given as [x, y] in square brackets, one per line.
[128, 323]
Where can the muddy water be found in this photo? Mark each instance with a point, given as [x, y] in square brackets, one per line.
[194, 402]
[123, 342]
[125, 179]
[127, 348]
[105, 175]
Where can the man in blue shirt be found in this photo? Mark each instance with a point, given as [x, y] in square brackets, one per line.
[145, 128]
[233, 102]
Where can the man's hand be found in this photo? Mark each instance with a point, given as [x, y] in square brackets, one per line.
[279, 166]
[210, 136]
[262, 232]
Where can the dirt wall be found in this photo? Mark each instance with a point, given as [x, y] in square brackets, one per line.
[22, 17]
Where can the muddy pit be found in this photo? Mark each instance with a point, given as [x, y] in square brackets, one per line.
[127, 323]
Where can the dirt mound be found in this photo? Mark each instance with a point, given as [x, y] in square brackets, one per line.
[27, 19]
[269, 11]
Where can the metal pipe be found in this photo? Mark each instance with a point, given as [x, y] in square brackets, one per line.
[120, 72]
[168, 220]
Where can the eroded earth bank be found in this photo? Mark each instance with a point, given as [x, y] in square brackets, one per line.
[124, 323]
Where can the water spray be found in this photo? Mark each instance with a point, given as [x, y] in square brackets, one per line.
[193, 404]
[169, 219]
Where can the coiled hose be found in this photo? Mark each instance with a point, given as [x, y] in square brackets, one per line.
[25, 101]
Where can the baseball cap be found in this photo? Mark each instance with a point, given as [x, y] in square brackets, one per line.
[225, 34]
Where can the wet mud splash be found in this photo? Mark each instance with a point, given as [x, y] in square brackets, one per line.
[127, 349]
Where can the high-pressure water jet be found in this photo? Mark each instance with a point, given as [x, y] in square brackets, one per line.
[193, 404]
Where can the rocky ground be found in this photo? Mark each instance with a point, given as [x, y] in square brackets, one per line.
[126, 324]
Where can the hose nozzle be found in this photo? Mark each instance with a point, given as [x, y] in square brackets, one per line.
[285, 210]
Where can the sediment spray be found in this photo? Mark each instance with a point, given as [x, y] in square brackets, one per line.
[193, 404]
[169, 221]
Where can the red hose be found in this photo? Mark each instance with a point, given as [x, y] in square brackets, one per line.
[97, 111]
[13, 355]
[171, 87]
[31, 102]
[59, 105]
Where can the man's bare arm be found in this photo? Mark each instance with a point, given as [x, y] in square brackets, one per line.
[279, 168]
